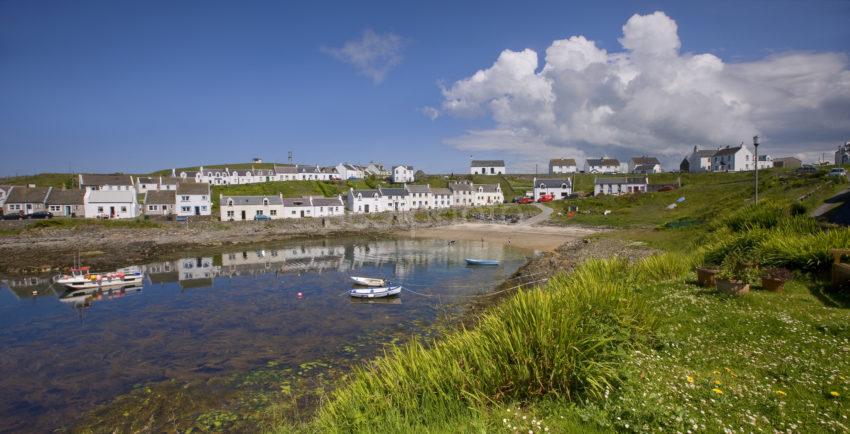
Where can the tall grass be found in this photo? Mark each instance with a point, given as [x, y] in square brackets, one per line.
[566, 340]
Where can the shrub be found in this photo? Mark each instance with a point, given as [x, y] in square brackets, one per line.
[754, 216]
[797, 208]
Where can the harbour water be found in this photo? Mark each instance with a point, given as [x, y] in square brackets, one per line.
[207, 322]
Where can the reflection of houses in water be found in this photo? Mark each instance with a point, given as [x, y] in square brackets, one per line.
[23, 287]
[188, 272]
[290, 259]
[407, 254]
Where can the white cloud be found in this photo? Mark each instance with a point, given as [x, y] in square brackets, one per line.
[651, 99]
[430, 112]
[372, 55]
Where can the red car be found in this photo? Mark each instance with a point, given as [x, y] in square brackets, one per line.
[546, 198]
[525, 200]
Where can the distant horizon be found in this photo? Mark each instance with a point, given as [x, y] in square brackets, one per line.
[99, 86]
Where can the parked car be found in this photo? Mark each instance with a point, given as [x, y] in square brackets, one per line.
[807, 169]
[15, 216]
[261, 218]
[525, 200]
[41, 215]
[546, 198]
[838, 171]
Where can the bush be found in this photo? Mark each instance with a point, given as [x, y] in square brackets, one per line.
[754, 216]
[797, 208]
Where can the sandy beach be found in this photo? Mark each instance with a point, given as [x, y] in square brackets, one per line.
[542, 238]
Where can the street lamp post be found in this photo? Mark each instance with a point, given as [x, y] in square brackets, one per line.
[756, 145]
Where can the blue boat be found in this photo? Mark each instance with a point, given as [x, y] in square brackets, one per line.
[471, 261]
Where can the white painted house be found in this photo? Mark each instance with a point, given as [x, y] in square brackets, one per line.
[241, 208]
[487, 167]
[734, 159]
[402, 174]
[299, 207]
[620, 185]
[442, 197]
[462, 194]
[700, 160]
[765, 162]
[562, 165]
[559, 188]
[350, 171]
[602, 165]
[419, 196]
[26, 200]
[842, 155]
[116, 182]
[365, 201]
[644, 165]
[111, 204]
[327, 206]
[376, 169]
[488, 194]
[160, 202]
[193, 198]
[395, 199]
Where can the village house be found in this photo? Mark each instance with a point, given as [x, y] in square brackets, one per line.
[160, 202]
[327, 206]
[559, 188]
[462, 193]
[487, 167]
[26, 200]
[732, 159]
[419, 196]
[699, 160]
[145, 183]
[116, 182]
[66, 203]
[395, 199]
[787, 162]
[562, 165]
[286, 172]
[488, 194]
[193, 199]
[377, 170]
[4, 193]
[170, 182]
[238, 208]
[602, 165]
[842, 155]
[402, 174]
[644, 165]
[112, 204]
[298, 207]
[620, 185]
[312, 173]
[765, 162]
[364, 201]
[442, 197]
[331, 173]
[350, 171]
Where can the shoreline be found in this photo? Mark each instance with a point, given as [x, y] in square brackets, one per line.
[538, 238]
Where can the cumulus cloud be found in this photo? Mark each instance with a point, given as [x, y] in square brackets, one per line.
[372, 55]
[650, 98]
[430, 112]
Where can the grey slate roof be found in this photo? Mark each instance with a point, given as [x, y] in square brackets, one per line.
[393, 191]
[640, 168]
[251, 200]
[66, 197]
[291, 202]
[28, 195]
[441, 191]
[160, 197]
[460, 186]
[705, 153]
[487, 163]
[552, 183]
[327, 201]
[620, 180]
[308, 169]
[147, 180]
[603, 162]
[193, 188]
[367, 192]
[645, 160]
[174, 180]
[403, 165]
[562, 162]
[488, 188]
[417, 188]
[285, 169]
[727, 151]
[100, 179]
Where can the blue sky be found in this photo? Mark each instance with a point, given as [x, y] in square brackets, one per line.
[119, 86]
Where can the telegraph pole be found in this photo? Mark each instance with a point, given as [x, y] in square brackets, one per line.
[756, 145]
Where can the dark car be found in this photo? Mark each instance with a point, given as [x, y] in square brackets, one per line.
[41, 215]
[16, 216]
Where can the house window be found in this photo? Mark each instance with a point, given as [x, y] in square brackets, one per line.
[203, 198]
[230, 202]
[273, 212]
[259, 212]
[204, 208]
[184, 198]
[185, 208]
[230, 213]
[100, 209]
[152, 207]
[123, 209]
[293, 212]
[55, 207]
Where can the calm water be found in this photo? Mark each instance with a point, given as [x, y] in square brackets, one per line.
[219, 314]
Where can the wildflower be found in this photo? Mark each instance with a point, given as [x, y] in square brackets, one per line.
[781, 393]
[835, 394]
[690, 379]
[717, 391]
[717, 382]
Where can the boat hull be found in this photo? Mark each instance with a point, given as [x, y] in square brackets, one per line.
[368, 281]
[82, 283]
[489, 262]
[375, 292]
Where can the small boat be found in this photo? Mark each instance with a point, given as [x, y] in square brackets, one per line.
[83, 278]
[368, 281]
[386, 291]
[471, 261]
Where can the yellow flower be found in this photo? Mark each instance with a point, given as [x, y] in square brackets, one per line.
[835, 394]
[690, 379]
[717, 391]
[781, 393]
[717, 382]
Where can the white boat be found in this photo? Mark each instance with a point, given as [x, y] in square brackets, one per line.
[375, 292]
[82, 278]
[368, 281]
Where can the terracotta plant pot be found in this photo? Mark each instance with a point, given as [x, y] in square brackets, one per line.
[733, 287]
[772, 285]
[705, 277]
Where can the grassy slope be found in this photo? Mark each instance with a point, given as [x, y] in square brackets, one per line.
[614, 347]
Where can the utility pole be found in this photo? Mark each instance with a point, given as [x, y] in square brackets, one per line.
[290, 156]
[756, 145]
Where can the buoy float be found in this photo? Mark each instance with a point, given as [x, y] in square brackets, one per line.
[299, 295]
